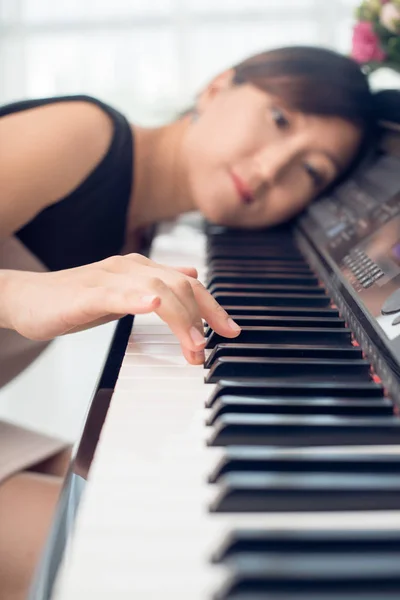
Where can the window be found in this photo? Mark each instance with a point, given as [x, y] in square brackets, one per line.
[150, 58]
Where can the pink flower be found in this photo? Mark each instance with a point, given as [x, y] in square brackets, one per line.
[365, 44]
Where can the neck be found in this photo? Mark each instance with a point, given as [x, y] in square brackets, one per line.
[160, 177]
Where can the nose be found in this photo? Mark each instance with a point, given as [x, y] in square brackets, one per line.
[272, 162]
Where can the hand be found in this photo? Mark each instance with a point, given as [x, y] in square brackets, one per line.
[42, 306]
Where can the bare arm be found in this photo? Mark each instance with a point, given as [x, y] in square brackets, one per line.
[44, 305]
[45, 153]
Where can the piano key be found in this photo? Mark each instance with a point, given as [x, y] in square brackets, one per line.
[317, 566]
[298, 430]
[324, 542]
[269, 279]
[283, 311]
[268, 388]
[258, 299]
[284, 321]
[256, 253]
[255, 459]
[169, 348]
[131, 544]
[168, 371]
[150, 361]
[266, 288]
[258, 586]
[231, 367]
[152, 464]
[242, 241]
[284, 350]
[242, 238]
[300, 406]
[284, 335]
[293, 492]
[329, 594]
[259, 267]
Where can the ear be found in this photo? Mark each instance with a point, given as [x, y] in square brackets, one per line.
[218, 85]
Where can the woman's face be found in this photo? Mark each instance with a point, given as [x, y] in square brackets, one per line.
[251, 162]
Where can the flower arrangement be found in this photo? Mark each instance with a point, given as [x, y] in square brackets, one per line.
[376, 35]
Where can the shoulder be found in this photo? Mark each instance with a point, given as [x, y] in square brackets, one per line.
[47, 150]
[59, 124]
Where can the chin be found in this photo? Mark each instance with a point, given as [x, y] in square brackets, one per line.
[219, 212]
[219, 218]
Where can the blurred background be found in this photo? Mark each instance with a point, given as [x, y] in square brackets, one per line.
[147, 58]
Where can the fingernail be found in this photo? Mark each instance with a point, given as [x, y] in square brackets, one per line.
[199, 356]
[196, 336]
[234, 325]
[149, 299]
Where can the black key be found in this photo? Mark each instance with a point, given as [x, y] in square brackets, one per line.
[262, 257]
[242, 237]
[259, 267]
[257, 299]
[298, 430]
[316, 566]
[233, 367]
[283, 311]
[266, 460]
[269, 388]
[284, 350]
[287, 244]
[284, 335]
[298, 492]
[331, 542]
[283, 289]
[300, 406]
[266, 279]
[284, 321]
[255, 253]
[251, 586]
[236, 592]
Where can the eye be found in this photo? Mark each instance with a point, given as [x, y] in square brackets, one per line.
[280, 119]
[317, 178]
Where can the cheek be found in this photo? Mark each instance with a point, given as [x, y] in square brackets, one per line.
[285, 204]
[214, 195]
[226, 136]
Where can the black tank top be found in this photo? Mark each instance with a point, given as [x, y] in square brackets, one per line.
[89, 224]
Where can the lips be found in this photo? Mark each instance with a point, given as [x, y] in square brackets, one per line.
[243, 191]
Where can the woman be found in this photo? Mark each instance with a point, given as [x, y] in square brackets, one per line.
[79, 184]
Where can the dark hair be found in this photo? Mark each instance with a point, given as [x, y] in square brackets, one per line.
[319, 81]
[311, 80]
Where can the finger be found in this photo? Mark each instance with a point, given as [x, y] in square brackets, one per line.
[193, 358]
[182, 287]
[182, 316]
[180, 313]
[189, 271]
[142, 305]
[171, 310]
[183, 320]
[217, 318]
